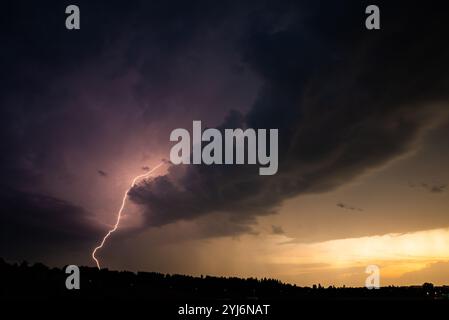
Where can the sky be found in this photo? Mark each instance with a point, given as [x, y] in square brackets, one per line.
[363, 120]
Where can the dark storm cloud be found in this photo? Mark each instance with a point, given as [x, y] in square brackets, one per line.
[68, 95]
[344, 99]
[39, 58]
[31, 222]
[46, 70]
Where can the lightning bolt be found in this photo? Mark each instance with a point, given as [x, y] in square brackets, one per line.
[119, 215]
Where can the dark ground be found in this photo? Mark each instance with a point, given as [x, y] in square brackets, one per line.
[23, 281]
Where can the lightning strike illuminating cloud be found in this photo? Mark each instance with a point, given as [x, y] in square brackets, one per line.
[119, 215]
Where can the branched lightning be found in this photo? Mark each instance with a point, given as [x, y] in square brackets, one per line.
[119, 215]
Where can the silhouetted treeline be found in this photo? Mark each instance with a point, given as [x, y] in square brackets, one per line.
[40, 282]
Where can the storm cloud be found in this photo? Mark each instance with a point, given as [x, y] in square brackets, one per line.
[344, 99]
[32, 222]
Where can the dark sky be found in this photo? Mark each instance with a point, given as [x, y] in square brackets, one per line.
[83, 111]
